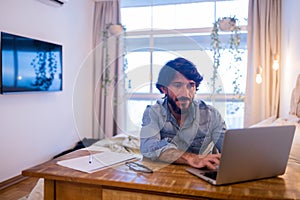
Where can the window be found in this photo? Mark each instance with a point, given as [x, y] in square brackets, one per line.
[169, 29]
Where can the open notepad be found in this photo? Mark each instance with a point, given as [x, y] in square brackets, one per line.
[99, 161]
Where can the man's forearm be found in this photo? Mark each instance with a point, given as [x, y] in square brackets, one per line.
[176, 156]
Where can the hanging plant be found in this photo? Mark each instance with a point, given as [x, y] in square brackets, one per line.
[226, 24]
[110, 29]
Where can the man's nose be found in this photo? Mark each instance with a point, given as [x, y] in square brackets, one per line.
[184, 90]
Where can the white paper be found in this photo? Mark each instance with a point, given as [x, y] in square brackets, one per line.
[98, 161]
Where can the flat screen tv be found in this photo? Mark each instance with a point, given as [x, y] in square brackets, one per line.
[29, 65]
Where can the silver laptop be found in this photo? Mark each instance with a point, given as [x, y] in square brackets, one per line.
[251, 154]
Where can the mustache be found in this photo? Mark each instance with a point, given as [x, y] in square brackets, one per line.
[182, 99]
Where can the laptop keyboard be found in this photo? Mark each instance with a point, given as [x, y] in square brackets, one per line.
[212, 174]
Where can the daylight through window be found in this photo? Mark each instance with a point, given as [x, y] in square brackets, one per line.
[157, 31]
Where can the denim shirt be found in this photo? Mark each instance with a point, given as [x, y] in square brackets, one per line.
[160, 130]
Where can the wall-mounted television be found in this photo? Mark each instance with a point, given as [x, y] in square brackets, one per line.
[29, 65]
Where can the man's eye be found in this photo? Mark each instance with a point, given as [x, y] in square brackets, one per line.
[191, 85]
[177, 85]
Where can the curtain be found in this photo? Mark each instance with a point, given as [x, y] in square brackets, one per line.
[107, 72]
[264, 35]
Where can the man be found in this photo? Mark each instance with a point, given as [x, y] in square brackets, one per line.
[178, 129]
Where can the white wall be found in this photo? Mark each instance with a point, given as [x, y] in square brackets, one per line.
[34, 127]
[290, 52]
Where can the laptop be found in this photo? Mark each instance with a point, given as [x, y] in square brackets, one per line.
[251, 154]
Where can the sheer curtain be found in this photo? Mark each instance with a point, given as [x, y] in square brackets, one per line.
[107, 76]
[264, 33]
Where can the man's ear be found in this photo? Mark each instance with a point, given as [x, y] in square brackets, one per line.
[164, 89]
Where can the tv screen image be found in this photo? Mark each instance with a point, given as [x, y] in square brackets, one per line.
[29, 64]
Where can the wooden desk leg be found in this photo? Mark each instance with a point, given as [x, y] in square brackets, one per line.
[49, 189]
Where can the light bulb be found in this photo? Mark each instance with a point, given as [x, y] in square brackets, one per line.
[275, 65]
[258, 78]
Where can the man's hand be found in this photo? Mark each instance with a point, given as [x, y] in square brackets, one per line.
[210, 161]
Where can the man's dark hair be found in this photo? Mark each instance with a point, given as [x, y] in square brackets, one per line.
[181, 65]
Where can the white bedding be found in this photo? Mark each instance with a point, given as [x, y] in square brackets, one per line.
[121, 143]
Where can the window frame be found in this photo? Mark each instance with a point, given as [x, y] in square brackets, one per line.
[152, 96]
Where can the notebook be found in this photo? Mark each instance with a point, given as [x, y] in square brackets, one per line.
[96, 162]
[251, 154]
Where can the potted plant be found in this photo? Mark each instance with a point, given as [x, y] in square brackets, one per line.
[226, 24]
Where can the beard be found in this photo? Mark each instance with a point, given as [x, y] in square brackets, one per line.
[177, 109]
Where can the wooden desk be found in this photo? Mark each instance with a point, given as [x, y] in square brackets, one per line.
[167, 182]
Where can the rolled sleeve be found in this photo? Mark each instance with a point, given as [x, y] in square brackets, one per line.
[151, 144]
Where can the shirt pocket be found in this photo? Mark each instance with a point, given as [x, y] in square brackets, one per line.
[168, 132]
[196, 144]
[167, 135]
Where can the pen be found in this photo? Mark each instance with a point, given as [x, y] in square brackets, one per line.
[90, 159]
